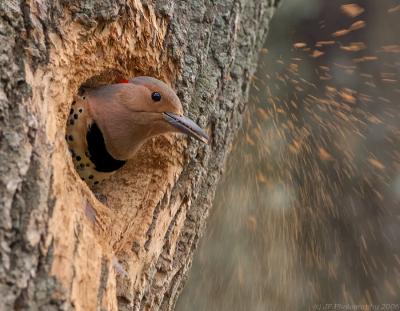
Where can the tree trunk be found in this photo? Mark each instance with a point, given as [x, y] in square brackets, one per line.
[60, 247]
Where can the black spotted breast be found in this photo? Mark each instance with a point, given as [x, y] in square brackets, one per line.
[86, 145]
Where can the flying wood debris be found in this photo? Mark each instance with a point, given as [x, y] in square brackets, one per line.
[299, 45]
[394, 9]
[355, 26]
[354, 47]
[352, 10]
[390, 48]
[323, 151]
[323, 43]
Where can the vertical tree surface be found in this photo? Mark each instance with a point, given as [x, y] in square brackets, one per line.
[60, 247]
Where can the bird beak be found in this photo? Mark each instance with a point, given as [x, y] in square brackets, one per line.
[186, 126]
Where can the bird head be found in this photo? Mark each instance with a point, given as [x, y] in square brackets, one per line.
[128, 114]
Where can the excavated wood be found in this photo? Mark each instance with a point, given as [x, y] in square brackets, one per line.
[61, 248]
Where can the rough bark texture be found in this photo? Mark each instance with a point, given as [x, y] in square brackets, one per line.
[61, 248]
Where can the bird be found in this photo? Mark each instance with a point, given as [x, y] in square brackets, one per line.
[107, 125]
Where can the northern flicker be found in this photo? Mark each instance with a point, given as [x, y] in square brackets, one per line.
[107, 125]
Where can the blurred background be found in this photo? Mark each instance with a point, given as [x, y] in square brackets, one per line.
[308, 212]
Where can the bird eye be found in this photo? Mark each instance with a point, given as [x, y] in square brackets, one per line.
[156, 96]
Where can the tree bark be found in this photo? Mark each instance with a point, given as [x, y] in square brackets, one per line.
[60, 247]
